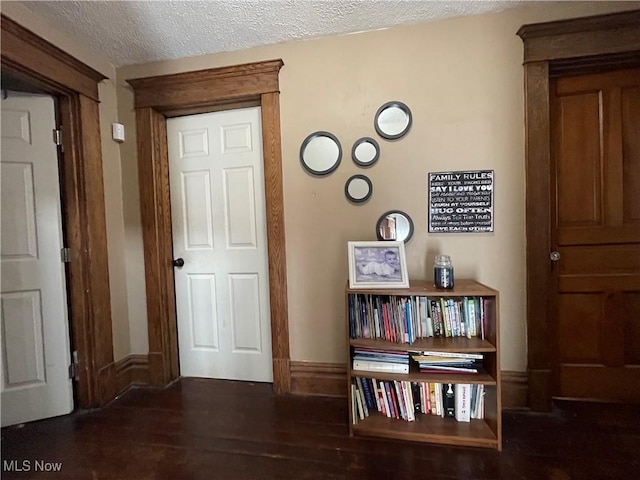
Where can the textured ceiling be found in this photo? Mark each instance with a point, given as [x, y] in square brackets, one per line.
[131, 32]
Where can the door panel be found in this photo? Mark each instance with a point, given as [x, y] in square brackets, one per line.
[580, 163]
[203, 317]
[219, 224]
[595, 196]
[35, 336]
[631, 154]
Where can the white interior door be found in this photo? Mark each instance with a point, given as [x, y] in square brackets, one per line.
[35, 335]
[219, 229]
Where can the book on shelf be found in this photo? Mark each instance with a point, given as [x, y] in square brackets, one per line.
[363, 353]
[399, 400]
[359, 408]
[368, 396]
[376, 366]
[360, 388]
[443, 360]
[477, 401]
[417, 396]
[384, 399]
[435, 353]
[435, 398]
[448, 400]
[463, 402]
[447, 363]
[354, 408]
[391, 399]
[447, 369]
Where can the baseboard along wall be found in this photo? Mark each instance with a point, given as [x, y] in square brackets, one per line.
[316, 378]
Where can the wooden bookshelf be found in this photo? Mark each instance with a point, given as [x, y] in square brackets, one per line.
[430, 428]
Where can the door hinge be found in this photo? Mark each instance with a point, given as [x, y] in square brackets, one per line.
[65, 254]
[74, 369]
[57, 136]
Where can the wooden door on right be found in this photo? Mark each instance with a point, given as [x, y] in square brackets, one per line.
[595, 229]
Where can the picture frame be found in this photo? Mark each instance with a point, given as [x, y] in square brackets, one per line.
[377, 265]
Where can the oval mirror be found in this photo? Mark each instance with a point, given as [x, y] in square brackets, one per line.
[320, 153]
[358, 189]
[365, 152]
[392, 120]
[395, 225]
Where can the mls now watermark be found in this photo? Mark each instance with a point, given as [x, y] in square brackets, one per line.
[30, 466]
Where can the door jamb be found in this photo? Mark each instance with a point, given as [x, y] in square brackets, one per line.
[32, 60]
[577, 46]
[156, 99]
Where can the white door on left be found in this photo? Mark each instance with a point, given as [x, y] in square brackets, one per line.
[35, 334]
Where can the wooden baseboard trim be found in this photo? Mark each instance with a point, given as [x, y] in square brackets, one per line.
[132, 370]
[312, 378]
[330, 379]
[515, 390]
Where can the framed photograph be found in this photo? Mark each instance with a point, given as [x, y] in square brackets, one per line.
[377, 265]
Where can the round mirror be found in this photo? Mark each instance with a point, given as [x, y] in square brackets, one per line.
[395, 225]
[320, 153]
[358, 189]
[392, 120]
[365, 152]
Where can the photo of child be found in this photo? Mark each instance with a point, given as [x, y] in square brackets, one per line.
[380, 264]
[377, 264]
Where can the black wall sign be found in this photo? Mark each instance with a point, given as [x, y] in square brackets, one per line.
[461, 202]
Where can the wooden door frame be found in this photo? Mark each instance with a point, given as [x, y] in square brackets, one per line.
[161, 97]
[566, 47]
[33, 61]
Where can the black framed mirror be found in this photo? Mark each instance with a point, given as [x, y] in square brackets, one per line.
[320, 153]
[365, 152]
[358, 188]
[394, 225]
[393, 120]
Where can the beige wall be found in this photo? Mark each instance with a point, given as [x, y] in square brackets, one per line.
[462, 78]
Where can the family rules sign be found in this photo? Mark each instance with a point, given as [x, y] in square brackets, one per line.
[461, 202]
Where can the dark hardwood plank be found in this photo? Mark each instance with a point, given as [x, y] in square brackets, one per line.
[216, 429]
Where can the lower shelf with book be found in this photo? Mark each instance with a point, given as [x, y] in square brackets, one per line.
[452, 413]
[429, 428]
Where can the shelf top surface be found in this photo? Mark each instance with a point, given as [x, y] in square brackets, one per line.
[462, 287]
[448, 344]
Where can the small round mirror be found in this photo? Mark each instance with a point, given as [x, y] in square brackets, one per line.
[395, 225]
[365, 152]
[392, 120]
[358, 189]
[320, 153]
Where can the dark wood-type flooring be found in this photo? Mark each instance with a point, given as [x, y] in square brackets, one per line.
[213, 429]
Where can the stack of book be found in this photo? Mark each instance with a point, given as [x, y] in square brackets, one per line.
[377, 360]
[448, 362]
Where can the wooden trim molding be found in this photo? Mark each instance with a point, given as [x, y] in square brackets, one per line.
[41, 65]
[330, 379]
[581, 45]
[46, 62]
[132, 370]
[312, 378]
[157, 98]
[515, 390]
[206, 87]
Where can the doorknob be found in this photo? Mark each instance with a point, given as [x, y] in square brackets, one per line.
[178, 262]
[554, 256]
